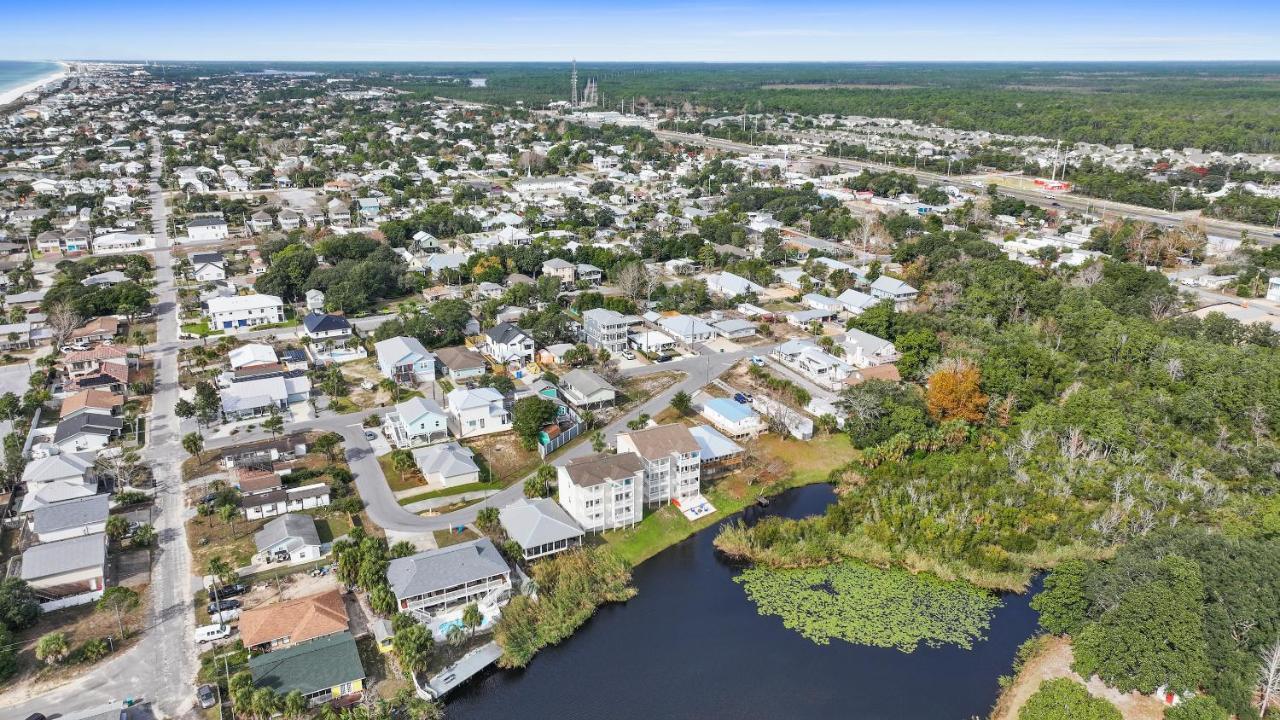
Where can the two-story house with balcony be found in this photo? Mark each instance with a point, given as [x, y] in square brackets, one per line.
[404, 360]
[481, 411]
[244, 311]
[436, 581]
[506, 343]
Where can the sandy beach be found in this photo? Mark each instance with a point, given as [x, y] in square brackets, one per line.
[13, 94]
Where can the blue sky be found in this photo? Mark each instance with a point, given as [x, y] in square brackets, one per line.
[726, 31]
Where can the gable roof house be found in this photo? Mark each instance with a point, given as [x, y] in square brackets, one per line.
[887, 288]
[447, 465]
[606, 329]
[405, 360]
[252, 355]
[71, 518]
[862, 349]
[321, 669]
[461, 363]
[244, 311]
[90, 401]
[278, 502]
[292, 622]
[507, 343]
[585, 389]
[57, 478]
[290, 538]
[479, 411]
[687, 329]
[813, 362]
[560, 268]
[256, 396]
[323, 326]
[67, 572]
[208, 266]
[97, 329]
[450, 577]
[540, 527]
[87, 432]
[726, 284]
[855, 302]
[417, 420]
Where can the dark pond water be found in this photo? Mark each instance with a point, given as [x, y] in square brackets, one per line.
[690, 645]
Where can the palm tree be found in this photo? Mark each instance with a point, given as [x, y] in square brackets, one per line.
[295, 705]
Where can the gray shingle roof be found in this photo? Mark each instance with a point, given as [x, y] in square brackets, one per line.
[537, 522]
[446, 567]
[287, 526]
[595, 469]
[63, 556]
[71, 513]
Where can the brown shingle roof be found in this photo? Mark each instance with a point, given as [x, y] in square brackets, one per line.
[595, 469]
[888, 371]
[96, 399]
[297, 620]
[97, 326]
[99, 352]
[252, 480]
[663, 440]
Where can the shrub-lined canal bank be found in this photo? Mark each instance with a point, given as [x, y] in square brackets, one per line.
[692, 645]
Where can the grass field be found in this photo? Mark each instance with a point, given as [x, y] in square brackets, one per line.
[806, 463]
[446, 492]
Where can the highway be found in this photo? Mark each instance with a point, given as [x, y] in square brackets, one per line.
[1213, 226]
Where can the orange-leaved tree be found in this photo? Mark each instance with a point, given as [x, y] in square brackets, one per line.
[954, 391]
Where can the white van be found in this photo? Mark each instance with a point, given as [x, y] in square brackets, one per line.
[209, 633]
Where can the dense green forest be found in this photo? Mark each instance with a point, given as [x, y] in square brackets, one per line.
[1232, 107]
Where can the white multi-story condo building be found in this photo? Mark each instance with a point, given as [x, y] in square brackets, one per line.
[606, 330]
[672, 466]
[602, 491]
[244, 311]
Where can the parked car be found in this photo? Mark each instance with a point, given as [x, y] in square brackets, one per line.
[221, 605]
[370, 435]
[205, 696]
[628, 355]
[209, 633]
[663, 358]
[757, 361]
[743, 398]
[229, 591]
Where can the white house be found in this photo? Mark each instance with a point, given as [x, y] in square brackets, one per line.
[733, 418]
[208, 267]
[727, 284]
[244, 311]
[822, 302]
[404, 360]
[887, 288]
[687, 329]
[447, 578]
[315, 300]
[207, 229]
[58, 478]
[417, 420]
[672, 469]
[447, 465]
[585, 389]
[67, 572]
[813, 362]
[606, 329]
[252, 355]
[278, 502]
[563, 269]
[602, 491]
[290, 538]
[855, 302]
[862, 349]
[71, 518]
[507, 343]
[540, 527]
[734, 328]
[481, 411]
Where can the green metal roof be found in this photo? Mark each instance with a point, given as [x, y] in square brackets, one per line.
[310, 666]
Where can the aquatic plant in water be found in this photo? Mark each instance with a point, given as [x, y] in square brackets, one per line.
[869, 606]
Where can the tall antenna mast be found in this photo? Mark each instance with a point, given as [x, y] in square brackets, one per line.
[573, 81]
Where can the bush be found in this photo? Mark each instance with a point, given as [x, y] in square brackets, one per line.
[92, 651]
[1065, 699]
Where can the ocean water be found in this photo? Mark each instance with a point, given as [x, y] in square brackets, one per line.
[14, 73]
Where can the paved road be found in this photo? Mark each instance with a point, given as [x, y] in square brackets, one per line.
[1214, 226]
[386, 512]
[161, 667]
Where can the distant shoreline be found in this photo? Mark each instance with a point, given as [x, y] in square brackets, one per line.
[13, 94]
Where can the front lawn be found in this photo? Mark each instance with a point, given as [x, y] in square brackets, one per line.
[776, 464]
[200, 329]
[446, 492]
[334, 525]
[397, 480]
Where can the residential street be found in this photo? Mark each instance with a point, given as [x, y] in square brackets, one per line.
[161, 667]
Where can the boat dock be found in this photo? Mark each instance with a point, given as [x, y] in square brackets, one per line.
[451, 677]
